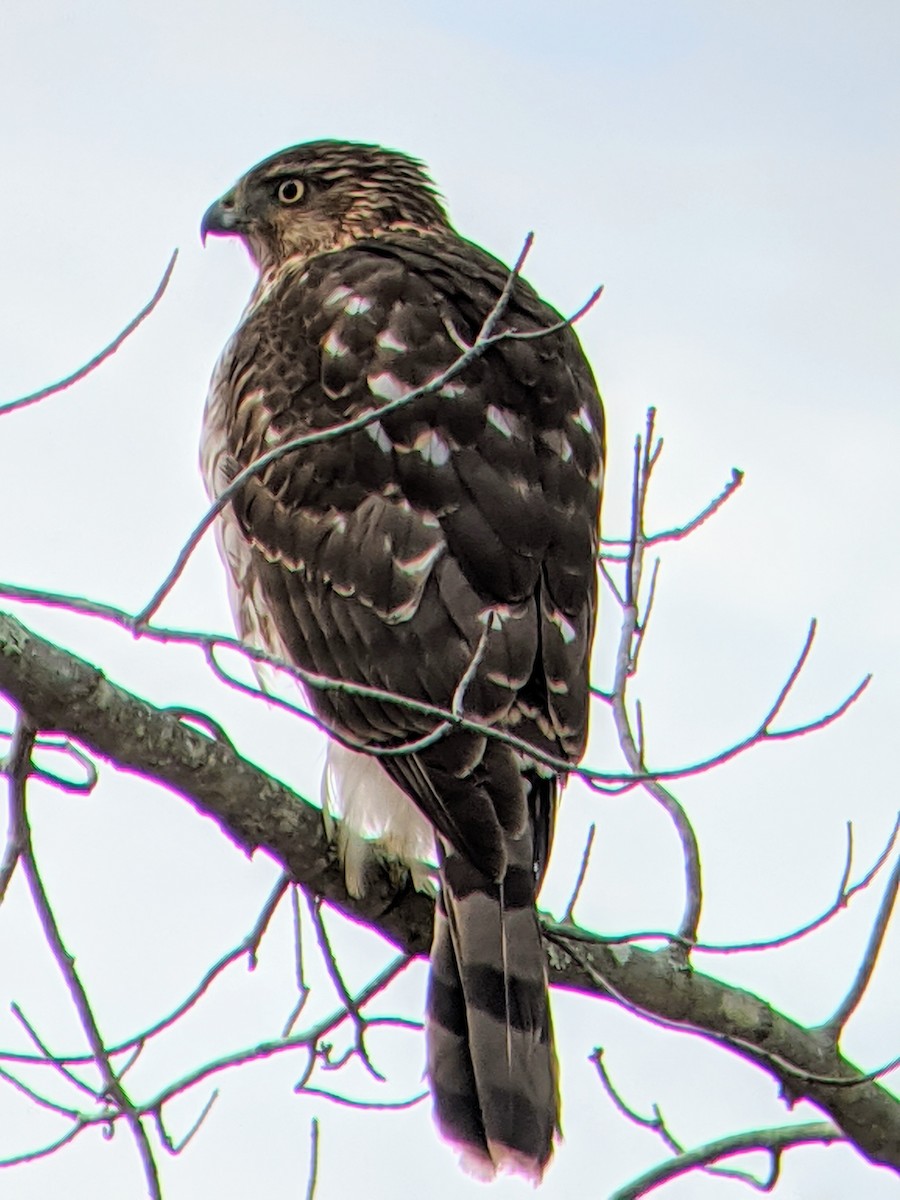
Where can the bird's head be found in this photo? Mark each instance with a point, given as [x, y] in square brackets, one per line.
[322, 196]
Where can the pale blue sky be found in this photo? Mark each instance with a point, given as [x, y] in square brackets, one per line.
[731, 173]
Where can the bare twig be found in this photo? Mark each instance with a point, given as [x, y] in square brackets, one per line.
[833, 1027]
[54, 745]
[678, 532]
[298, 710]
[634, 747]
[762, 734]
[313, 1158]
[36, 1097]
[66, 749]
[249, 946]
[641, 628]
[491, 320]
[775, 1141]
[255, 937]
[61, 1065]
[15, 837]
[656, 1122]
[299, 971]
[626, 661]
[610, 582]
[514, 335]
[845, 893]
[165, 1137]
[104, 354]
[202, 721]
[459, 695]
[569, 914]
[334, 974]
[248, 689]
[306, 1040]
[367, 1105]
[112, 1087]
[30, 1156]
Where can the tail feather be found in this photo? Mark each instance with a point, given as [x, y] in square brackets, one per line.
[491, 1059]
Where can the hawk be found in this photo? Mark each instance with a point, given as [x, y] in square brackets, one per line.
[439, 555]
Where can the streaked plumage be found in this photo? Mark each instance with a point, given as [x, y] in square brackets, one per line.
[454, 538]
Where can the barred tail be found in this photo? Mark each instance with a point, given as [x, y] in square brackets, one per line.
[491, 1059]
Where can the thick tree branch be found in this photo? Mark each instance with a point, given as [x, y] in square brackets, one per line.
[64, 693]
[59, 691]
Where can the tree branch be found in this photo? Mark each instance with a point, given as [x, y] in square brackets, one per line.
[631, 635]
[774, 1140]
[113, 1091]
[833, 1027]
[64, 693]
[92, 364]
[59, 691]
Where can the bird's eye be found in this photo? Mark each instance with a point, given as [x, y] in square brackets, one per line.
[290, 191]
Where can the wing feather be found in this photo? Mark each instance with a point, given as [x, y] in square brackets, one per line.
[463, 524]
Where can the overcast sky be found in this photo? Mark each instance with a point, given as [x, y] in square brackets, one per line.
[731, 173]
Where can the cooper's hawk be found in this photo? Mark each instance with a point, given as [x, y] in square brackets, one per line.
[444, 553]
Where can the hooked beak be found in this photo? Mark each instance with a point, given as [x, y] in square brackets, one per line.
[221, 219]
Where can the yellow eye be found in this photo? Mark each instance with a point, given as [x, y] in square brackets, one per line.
[290, 191]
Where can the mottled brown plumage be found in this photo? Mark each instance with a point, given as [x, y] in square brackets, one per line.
[451, 539]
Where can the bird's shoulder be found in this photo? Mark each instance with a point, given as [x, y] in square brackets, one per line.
[505, 455]
[362, 326]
